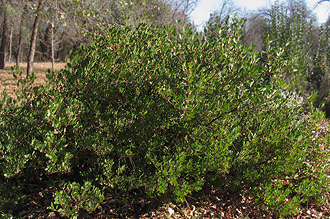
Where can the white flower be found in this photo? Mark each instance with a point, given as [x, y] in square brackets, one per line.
[170, 211]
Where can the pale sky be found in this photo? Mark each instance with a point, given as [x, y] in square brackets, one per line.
[202, 12]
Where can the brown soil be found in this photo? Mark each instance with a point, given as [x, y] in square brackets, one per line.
[9, 83]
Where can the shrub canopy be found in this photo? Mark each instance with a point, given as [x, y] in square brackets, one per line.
[161, 111]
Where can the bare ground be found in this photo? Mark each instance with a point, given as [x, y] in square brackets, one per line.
[8, 82]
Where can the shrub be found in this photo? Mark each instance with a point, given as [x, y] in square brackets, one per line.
[158, 110]
[73, 197]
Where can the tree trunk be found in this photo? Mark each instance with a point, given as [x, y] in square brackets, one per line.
[34, 39]
[4, 37]
[20, 38]
[52, 46]
[44, 42]
[10, 44]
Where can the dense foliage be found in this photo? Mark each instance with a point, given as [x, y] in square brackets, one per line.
[290, 24]
[307, 46]
[163, 113]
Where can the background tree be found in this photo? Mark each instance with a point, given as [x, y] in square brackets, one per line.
[160, 13]
[181, 9]
[51, 31]
[290, 25]
[294, 26]
[220, 18]
[65, 25]
[34, 38]
[21, 35]
[255, 26]
[320, 2]
[4, 8]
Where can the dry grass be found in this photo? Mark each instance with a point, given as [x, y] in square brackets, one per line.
[9, 83]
